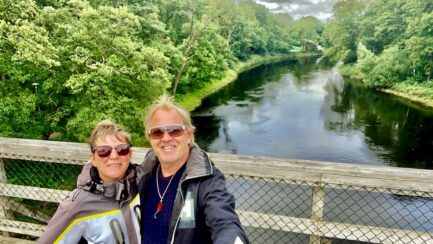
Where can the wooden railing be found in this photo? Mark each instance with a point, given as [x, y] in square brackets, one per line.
[318, 177]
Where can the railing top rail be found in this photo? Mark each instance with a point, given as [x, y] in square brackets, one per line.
[267, 167]
[53, 151]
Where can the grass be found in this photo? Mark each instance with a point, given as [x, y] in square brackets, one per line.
[421, 93]
[193, 99]
[417, 92]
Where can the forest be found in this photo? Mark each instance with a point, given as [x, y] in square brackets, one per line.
[385, 43]
[67, 64]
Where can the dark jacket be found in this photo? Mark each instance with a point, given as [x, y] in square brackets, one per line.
[97, 212]
[202, 188]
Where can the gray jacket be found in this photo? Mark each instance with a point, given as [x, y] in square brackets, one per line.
[97, 212]
[203, 211]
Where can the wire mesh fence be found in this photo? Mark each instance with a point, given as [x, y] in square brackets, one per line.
[349, 214]
[272, 210]
[60, 176]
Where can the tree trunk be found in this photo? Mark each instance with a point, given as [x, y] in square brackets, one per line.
[193, 37]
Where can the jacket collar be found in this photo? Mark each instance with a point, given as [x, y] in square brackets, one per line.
[118, 190]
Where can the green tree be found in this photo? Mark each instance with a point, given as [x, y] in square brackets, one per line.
[105, 68]
[280, 39]
[385, 70]
[26, 57]
[307, 27]
[367, 60]
[383, 24]
[65, 65]
[208, 62]
[342, 31]
[420, 46]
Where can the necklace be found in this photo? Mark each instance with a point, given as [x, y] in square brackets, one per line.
[161, 197]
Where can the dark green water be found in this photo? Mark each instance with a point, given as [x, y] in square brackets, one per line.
[299, 109]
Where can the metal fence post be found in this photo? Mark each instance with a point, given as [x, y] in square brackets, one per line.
[4, 201]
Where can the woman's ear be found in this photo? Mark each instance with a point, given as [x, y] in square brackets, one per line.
[92, 158]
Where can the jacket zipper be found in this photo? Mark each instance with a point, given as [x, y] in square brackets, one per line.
[183, 200]
[181, 194]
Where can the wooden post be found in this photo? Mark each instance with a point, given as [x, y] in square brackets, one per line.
[4, 201]
[317, 204]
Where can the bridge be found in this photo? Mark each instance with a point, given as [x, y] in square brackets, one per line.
[278, 200]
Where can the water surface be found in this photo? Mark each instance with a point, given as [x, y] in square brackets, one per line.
[303, 110]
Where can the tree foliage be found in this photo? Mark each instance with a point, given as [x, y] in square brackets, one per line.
[65, 65]
[384, 70]
[390, 41]
[342, 31]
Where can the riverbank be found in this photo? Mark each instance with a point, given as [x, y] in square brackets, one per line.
[193, 99]
[413, 92]
[422, 94]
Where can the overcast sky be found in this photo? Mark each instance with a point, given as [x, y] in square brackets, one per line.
[321, 9]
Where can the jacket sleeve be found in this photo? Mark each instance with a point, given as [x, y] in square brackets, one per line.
[219, 210]
[57, 228]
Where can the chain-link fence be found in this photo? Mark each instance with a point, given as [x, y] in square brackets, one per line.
[284, 212]
[278, 201]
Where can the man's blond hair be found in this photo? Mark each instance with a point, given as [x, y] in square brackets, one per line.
[166, 102]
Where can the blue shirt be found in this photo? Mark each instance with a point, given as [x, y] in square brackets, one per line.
[155, 230]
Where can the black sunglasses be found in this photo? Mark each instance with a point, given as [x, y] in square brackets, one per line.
[105, 151]
[173, 130]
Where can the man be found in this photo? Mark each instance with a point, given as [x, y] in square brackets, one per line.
[183, 196]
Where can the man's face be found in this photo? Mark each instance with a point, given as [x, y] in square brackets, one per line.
[172, 149]
[112, 166]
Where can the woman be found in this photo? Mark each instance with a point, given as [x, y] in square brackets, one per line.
[104, 208]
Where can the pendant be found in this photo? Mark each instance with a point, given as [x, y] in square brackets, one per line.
[158, 208]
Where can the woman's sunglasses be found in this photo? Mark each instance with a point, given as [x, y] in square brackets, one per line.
[173, 130]
[105, 151]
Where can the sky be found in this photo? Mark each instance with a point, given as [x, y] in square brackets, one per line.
[321, 9]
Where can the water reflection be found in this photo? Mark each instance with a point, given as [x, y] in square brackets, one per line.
[402, 135]
[298, 109]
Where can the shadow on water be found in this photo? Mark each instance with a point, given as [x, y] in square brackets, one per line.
[332, 119]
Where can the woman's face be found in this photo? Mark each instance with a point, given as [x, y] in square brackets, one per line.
[111, 165]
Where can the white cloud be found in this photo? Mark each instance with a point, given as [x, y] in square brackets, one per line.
[316, 1]
[321, 9]
[292, 7]
[270, 6]
[323, 16]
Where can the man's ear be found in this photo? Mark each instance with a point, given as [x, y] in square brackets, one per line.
[189, 133]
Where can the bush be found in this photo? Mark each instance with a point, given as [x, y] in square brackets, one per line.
[384, 70]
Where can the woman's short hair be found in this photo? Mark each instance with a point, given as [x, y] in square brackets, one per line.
[108, 128]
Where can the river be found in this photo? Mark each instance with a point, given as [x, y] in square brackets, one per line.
[306, 110]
